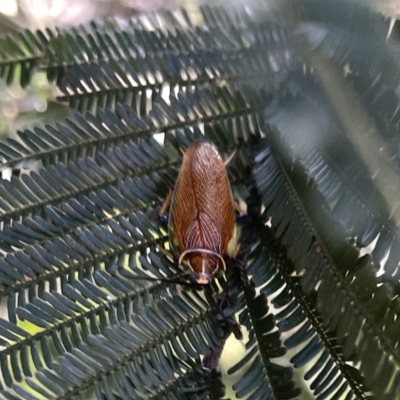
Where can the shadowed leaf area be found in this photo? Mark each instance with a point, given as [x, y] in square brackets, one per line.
[93, 305]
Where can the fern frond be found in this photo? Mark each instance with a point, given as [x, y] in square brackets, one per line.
[316, 246]
[298, 319]
[21, 54]
[96, 181]
[85, 136]
[142, 352]
[89, 45]
[262, 377]
[341, 174]
[95, 48]
[129, 81]
[341, 30]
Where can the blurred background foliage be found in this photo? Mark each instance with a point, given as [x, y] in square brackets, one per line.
[23, 107]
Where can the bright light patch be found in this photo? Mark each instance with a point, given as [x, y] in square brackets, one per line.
[9, 7]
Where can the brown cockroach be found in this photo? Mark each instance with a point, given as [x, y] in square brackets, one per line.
[202, 220]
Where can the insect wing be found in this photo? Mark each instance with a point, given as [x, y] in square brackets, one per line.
[202, 210]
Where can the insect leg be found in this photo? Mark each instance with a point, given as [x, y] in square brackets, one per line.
[163, 219]
[162, 214]
[241, 217]
[237, 249]
[231, 322]
[165, 252]
[229, 159]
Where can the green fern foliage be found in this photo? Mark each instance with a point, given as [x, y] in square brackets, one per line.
[21, 54]
[304, 99]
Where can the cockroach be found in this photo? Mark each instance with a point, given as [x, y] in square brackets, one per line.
[202, 219]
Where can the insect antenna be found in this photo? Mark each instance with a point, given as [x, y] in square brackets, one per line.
[164, 280]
